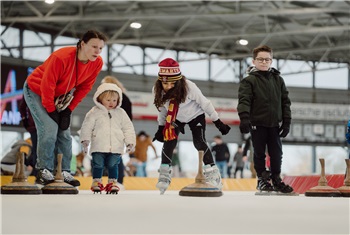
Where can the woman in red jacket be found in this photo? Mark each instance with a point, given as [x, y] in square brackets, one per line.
[52, 92]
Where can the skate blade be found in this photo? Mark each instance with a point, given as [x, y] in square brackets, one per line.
[112, 192]
[274, 193]
[266, 193]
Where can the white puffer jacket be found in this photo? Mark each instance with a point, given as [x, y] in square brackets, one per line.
[107, 130]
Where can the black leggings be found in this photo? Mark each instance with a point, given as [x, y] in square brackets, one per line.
[197, 127]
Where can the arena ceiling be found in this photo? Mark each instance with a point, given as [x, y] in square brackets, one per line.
[302, 30]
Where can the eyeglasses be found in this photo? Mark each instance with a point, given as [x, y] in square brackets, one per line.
[268, 60]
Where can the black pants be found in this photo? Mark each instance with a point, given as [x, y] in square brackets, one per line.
[197, 127]
[266, 139]
[238, 168]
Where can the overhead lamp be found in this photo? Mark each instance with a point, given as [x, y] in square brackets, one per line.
[49, 1]
[135, 25]
[242, 42]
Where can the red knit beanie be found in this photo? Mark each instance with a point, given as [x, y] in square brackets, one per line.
[169, 70]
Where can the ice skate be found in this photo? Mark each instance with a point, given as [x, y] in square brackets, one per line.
[280, 187]
[264, 186]
[212, 175]
[97, 186]
[112, 187]
[164, 178]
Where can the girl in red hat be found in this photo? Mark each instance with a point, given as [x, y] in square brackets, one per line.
[180, 102]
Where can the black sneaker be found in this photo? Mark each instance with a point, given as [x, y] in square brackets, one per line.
[279, 185]
[44, 177]
[69, 179]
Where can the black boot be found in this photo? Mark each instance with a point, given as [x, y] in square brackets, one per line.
[264, 182]
[279, 185]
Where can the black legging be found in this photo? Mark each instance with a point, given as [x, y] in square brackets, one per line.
[199, 141]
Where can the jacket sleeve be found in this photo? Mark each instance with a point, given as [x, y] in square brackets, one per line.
[286, 103]
[53, 70]
[245, 95]
[162, 116]
[194, 93]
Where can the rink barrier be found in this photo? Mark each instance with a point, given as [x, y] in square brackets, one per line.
[299, 183]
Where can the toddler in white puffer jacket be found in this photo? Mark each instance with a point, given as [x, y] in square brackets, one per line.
[107, 128]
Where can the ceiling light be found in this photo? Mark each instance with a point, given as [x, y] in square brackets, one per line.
[242, 42]
[49, 1]
[135, 25]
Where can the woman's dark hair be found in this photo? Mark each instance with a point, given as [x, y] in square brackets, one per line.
[178, 92]
[91, 34]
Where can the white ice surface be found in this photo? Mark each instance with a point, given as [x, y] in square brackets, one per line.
[147, 212]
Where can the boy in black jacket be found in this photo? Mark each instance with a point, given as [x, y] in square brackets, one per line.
[264, 104]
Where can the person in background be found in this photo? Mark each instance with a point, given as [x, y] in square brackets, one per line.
[143, 141]
[52, 91]
[248, 147]
[221, 155]
[180, 102]
[107, 128]
[263, 104]
[127, 106]
[8, 162]
[29, 125]
[239, 161]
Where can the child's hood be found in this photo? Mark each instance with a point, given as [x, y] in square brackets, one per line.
[252, 69]
[107, 87]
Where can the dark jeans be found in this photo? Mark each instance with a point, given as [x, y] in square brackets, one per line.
[100, 160]
[266, 139]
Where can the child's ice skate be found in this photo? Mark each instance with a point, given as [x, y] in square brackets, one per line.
[280, 187]
[112, 187]
[97, 186]
[164, 178]
[264, 186]
[212, 175]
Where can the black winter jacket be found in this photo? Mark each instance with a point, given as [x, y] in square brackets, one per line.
[264, 97]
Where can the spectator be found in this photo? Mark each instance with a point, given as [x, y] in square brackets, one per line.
[248, 148]
[29, 125]
[8, 162]
[239, 161]
[143, 141]
[221, 155]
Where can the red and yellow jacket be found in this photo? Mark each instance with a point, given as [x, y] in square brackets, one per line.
[51, 79]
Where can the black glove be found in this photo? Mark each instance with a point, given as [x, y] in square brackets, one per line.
[159, 134]
[65, 119]
[284, 129]
[223, 128]
[245, 125]
[55, 116]
[180, 126]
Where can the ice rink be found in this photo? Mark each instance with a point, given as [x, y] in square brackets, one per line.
[147, 212]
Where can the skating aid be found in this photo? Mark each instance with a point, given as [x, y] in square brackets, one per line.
[98, 189]
[112, 188]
